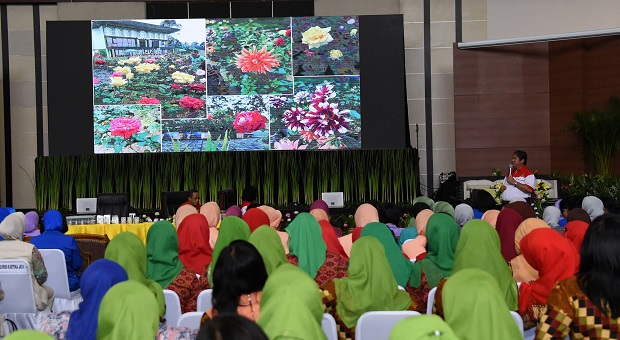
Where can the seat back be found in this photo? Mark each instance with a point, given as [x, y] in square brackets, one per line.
[518, 320]
[171, 200]
[173, 307]
[378, 325]
[56, 272]
[16, 278]
[113, 204]
[190, 320]
[205, 300]
[93, 244]
[329, 327]
[431, 301]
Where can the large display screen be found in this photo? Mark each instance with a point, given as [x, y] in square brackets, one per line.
[196, 85]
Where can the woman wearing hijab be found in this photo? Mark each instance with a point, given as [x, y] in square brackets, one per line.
[275, 217]
[423, 199]
[475, 307]
[32, 224]
[365, 213]
[479, 247]
[422, 327]
[593, 206]
[211, 211]
[551, 216]
[575, 231]
[164, 266]
[268, 244]
[12, 247]
[508, 221]
[358, 293]
[443, 207]
[5, 211]
[463, 213]
[232, 228]
[523, 208]
[194, 245]
[555, 259]
[97, 279]
[331, 240]
[422, 220]
[183, 212]
[255, 218]
[238, 279]
[309, 252]
[490, 216]
[53, 238]
[578, 214]
[291, 306]
[128, 311]
[595, 286]
[233, 210]
[521, 270]
[127, 250]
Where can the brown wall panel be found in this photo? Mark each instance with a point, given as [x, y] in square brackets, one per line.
[480, 162]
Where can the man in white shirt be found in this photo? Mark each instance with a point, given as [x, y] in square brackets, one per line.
[520, 181]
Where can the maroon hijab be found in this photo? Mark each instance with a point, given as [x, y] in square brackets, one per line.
[507, 223]
[523, 208]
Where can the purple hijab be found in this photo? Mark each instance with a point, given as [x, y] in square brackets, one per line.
[320, 204]
[233, 210]
[32, 220]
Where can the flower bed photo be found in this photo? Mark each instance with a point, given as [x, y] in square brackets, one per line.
[150, 62]
[127, 129]
[191, 135]
[245, 118]
[324, 113]
[249, 56]
[326, 46]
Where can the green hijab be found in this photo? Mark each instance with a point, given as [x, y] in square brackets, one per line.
[162, 253]
[479, 247]
[269, 245]
[368, 285]
[28, 335]
[442, 234]
[291, 306]
[306, 242]
[423, 199]
[443, 207]
[127, 250]
[128, 311]
[422, 327]
[475, 309]
[232, 228]
[401, 267]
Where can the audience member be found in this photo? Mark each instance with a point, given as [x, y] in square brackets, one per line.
[611, 205]
[390, 215]
[578, 214]
[248, 196]
[309, 252]
[463, 213]
[443, 207]
[98, 278]
[233, 211]
[490, 216]
[53, 238]
[364, 214]
[508, 221]
[350, 297]
[521, 270]
[475, 307]
[230, 327]
[422, 327]
[238, 279]
[211, 211]
[12, 247]
[193, 199]
[575, 231]
[256, 218]
[32, 224]
[593, 206]
[291, 306]
[164, 266]
[28, 334]
[523, 208]
[195, 250]
[587, 305]
[275, 217]
[232, 228]
[551, 216]
[5, 211]
[482, 201]
[268, 244]
[128, 250]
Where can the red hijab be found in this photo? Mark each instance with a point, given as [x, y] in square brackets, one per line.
[255, 218]
[508, 221]
[194, 248]
[575, 232]
[331, 240]
[555, 259]
[357, 232]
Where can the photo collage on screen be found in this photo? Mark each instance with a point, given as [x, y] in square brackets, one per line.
[196, 85]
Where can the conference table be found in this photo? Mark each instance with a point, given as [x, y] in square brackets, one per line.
[140, 229]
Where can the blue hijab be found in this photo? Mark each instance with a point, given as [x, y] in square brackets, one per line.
[6, 211]
[98, 278]
[52, 220]
[407, 234]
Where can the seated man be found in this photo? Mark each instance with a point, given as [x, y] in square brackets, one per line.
[520, 181]
[193, 199]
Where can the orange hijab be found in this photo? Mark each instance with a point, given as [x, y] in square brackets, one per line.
[421, 220]
[521, 270]
[491, 217]
[555, 259]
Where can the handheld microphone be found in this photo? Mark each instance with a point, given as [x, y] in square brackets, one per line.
[510, 169]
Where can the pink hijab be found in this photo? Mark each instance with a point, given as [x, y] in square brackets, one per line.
[212, 212]
[421, 220]
[275, 216]
[365, 213]
[413, 248]
[183, 212]
[491, 217]
[319, 214]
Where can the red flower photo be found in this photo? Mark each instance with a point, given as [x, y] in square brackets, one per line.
[249, 121]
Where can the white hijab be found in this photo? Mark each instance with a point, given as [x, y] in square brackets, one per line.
[551, 215]
[13, 226]
[463, 213]
[593, 206]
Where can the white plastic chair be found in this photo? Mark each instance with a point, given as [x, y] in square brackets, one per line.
[518, 320]
[173, 307]
[190, 320]
[204, 300]
[378, 325]
[431, 301]
[18, 303]
[57, 279]
[329, 327]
